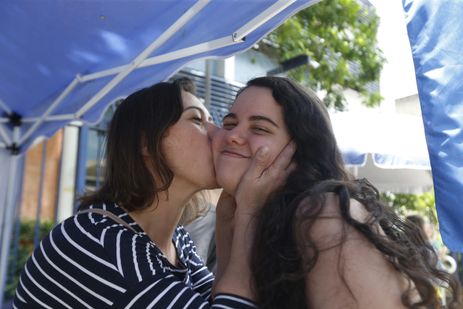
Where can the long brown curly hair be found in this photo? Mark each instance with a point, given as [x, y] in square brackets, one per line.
[283, 252]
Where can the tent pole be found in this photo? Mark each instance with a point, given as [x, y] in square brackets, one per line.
[62, 117]
[261, 19]
[8, 217]
[40, 195]
[8, 191]
[177, 54]
[5, 107]
[50, 109]
[202, 47]
[193, 11]
[4, 135]
[355, 171]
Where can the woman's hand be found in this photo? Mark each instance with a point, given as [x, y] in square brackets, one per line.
[262, 179]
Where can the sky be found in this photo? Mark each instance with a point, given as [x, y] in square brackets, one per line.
[398, 76]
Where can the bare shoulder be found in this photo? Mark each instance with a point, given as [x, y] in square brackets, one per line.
[348, 267]
[332, 208]
[329, 226]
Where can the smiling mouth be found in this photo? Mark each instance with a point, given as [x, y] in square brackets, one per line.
[234, 154]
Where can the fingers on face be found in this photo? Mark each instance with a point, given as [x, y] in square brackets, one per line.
[284, 160]
[282, 165]
[260, 161]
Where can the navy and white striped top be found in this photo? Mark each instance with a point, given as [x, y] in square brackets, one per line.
[90, 261]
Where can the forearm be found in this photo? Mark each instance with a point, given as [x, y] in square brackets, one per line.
[224, 240]
[237, 276]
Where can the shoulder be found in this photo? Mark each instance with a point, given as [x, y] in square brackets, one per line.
[347, 264]
[330, 206]
[106, 216]
[181, 236]
[328, 227]
[185, 244]
[183, 241]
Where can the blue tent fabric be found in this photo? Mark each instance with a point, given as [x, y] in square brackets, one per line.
[44, 45]
[434, 29]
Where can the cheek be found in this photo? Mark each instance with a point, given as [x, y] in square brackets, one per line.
[167, 147]
[228, 174]
[217, 142]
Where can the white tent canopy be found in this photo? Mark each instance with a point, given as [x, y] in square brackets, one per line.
[388, 149]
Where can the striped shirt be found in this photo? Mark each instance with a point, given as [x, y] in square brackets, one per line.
[91, 261]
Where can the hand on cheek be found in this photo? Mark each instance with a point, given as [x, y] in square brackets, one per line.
[263, 177]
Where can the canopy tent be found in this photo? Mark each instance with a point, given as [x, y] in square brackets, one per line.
[62, 61]
[393, 140]
[67, 60]
[387, 149]
[394, 180]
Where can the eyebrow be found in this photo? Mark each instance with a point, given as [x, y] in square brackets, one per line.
[199, 109]
[253, 118]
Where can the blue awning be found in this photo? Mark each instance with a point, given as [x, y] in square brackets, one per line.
[66, 60]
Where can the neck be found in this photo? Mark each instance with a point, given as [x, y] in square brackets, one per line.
[160, 220]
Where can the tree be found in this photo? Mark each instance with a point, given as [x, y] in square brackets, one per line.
[339, 36]
[405, 204]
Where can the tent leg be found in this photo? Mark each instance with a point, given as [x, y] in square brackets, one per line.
[355, 171]
[39, 198]
[8, 220]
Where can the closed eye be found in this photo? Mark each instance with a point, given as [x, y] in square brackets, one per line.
[228, 125]
[260, 130]
[198, 120]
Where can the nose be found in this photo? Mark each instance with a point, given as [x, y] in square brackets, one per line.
[234, 136]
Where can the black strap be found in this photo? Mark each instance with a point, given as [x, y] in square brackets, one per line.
[108, 214]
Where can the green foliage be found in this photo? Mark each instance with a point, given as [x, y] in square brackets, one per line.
[339, 36]
[24, 250]
[404, 204]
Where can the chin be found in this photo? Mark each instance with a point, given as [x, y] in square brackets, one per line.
[228, 176]
[210, 182]
[213, 185]
[227, 184]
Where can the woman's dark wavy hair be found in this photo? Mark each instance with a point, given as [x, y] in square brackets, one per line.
[280, 257]
[142, 119]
